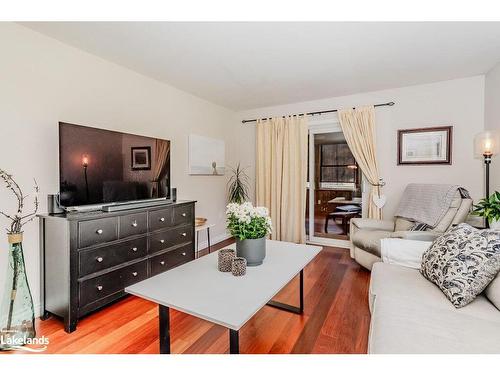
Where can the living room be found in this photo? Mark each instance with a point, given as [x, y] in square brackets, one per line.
[249, 187]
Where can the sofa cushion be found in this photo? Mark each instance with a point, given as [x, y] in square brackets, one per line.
[406, 326]
[369, 240]
[409, 286]
[492, 292]
[462, 262]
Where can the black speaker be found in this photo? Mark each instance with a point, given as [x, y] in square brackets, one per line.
[53, 206]
[173, 194]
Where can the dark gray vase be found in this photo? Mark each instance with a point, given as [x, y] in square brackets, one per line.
[253, 250]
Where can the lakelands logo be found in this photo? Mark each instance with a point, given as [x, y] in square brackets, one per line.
[13, 342]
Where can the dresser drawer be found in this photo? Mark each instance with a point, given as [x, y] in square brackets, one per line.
[183, 215]
[98, 231]
[133, 224]
[160, 219]
[171, 237]
[105, 285]
[95, 260]
[163, 262]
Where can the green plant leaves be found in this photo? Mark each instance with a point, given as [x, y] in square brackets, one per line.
[238, 189]
[489, 207]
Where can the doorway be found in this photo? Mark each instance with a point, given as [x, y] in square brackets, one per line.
[334, 187]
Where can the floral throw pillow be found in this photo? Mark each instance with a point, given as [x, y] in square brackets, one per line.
[462, 262]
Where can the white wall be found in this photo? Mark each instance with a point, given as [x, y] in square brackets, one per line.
[492, 118]
[458, 102]
[43, 82]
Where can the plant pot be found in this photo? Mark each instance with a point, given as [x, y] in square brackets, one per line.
[495, 225]
[17, 318]
[253, 250]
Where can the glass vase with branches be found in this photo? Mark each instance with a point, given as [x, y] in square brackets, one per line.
[17, 320]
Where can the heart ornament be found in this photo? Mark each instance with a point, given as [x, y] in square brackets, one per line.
[379, 200]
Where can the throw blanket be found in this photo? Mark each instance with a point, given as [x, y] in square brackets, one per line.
[426, 203]
[407, 253]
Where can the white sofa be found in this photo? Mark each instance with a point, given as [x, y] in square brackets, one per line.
[411, 315]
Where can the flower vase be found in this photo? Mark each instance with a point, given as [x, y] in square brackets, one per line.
[494, 224]
[17, 317]
[253, 250]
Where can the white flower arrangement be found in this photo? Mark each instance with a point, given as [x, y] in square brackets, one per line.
[245, 221]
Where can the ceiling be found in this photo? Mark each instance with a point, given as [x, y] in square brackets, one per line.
[250, 65]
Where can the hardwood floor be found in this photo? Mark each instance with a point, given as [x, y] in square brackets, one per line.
[335, 320]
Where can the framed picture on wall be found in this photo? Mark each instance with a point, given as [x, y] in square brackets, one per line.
[425, 146]
[141, 158]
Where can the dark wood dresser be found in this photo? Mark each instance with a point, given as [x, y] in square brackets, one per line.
[87, 259]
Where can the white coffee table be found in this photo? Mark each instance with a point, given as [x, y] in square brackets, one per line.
[225, 299]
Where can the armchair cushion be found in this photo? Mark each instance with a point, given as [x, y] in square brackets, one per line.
[373, 224]
[370, 240]
[403, 224]
[416, 235]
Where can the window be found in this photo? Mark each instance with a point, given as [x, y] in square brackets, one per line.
[337, 166]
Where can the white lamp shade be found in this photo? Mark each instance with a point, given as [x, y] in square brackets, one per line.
[486, 143]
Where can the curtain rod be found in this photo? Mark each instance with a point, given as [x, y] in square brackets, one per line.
[390, 104]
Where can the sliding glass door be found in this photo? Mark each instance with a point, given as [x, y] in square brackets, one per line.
[334, 186]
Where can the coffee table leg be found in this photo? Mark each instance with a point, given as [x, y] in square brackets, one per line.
[234, 342]
[290, 308]
[164, 316]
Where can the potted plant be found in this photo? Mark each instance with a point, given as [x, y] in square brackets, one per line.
[249, 225]
[17, 317]
[237, 186]
[489, 208]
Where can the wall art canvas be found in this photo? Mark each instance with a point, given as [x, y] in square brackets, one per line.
[206, 156]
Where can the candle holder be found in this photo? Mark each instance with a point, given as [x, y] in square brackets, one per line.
[226, 257]
[239, 266]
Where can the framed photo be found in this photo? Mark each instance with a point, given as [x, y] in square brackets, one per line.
[141, 158]
[425, 146]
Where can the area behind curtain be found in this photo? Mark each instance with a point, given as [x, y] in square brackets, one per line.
[281, 173]
[358, 126]
[161, 161]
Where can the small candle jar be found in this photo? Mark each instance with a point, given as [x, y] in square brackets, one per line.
[226, 257]
[239, 266]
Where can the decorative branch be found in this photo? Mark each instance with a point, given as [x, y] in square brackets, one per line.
[18, 219]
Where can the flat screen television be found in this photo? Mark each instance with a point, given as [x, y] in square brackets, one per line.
[99, 167]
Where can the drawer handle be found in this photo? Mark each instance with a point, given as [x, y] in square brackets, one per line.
[183, 254]
[99, 231]
[184, 214]
[134, 274]
[162, 219]
[99, 287]
[162, 263]
[162, 241]
[134, 249]
[134, 224]
[99, 259]
[184, 234]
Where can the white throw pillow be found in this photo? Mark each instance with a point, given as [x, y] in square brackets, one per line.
[406, 253]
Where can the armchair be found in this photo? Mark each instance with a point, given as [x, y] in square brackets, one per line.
[366, 234]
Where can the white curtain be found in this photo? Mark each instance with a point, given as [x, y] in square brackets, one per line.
[358, 126]
[281, 173]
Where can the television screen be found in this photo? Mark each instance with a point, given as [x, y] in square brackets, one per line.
[98, 166]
